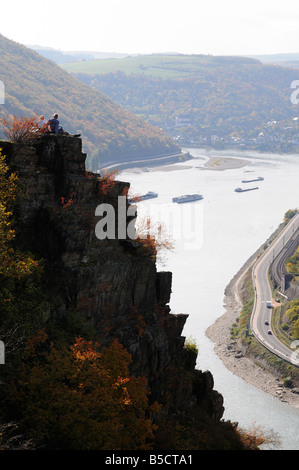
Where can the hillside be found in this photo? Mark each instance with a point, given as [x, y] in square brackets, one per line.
[195, 97]
[34, 84]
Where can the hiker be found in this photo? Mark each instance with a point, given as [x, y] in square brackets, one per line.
[41, 123]
[54, 127]
[54, 124]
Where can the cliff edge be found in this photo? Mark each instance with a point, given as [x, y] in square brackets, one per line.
[112, 284]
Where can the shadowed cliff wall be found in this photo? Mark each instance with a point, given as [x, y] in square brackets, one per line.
[113, 284]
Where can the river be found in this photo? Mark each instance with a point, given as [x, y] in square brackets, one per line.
[213, 238]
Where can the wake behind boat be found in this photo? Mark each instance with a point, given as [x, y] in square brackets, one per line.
[187, 198]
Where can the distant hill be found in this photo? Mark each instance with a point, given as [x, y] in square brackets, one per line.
[110, 133]
[195, 95]
[285, 60]
[61, 57]
[157, 65]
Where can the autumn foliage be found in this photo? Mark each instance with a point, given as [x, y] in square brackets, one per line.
[154, 238]
[107, 182]
[20, 129]
[12, 263]
[256, 436]
[82, 398]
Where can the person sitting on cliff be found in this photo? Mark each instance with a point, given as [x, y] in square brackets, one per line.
[41, 123]
[56, 129]
[54, 124]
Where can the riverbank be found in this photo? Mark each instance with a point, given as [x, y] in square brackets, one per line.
[214, 163]
[219, 333]
[148, 163]
[232, 356]
[165, 168]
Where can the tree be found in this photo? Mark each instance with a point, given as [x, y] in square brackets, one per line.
[12, 263]
[82, 398]
[20, 130]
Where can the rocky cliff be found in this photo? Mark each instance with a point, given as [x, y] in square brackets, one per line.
[113, 284]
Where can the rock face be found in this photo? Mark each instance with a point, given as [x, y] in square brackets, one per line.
[113, 284]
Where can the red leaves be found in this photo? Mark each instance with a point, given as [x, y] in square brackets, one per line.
[20, 130]
[67, 202]
[107, 182]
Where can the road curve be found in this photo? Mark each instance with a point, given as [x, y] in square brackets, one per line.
[263, 293]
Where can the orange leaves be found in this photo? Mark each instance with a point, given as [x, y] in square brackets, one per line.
[120, 385]
[19, 267]
[107, 182]
[19, 130]
[67, 202]
[255, 436]
[85, 350]
[85, 386]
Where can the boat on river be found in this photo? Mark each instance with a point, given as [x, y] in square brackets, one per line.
[187, 198]
[260, 178]
[143, 197]
[240, 190]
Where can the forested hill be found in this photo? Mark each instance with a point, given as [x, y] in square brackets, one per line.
[195, 95]
[34, 84]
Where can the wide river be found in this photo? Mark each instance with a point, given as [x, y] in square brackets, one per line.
[213, 238]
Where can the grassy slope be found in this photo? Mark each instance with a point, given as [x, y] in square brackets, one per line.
[34, 84]
[223, 94]
[159, 65]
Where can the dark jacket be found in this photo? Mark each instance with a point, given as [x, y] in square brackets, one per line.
[54, 125]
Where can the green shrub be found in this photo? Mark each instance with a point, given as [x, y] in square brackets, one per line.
[190, 343]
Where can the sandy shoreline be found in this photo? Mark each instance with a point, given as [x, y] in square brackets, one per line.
[232, 356]
[214, 163]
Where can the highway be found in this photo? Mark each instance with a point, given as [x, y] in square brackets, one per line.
[263, 293]
[157, 159]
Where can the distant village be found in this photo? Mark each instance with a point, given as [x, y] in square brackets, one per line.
[274, 136]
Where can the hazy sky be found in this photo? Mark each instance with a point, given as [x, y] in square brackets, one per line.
[147, 26]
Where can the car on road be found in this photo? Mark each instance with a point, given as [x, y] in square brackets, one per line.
[266, 322]
[269, 332]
